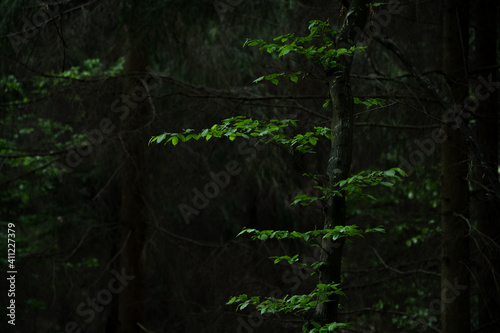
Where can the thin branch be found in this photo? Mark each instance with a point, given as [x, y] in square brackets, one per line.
[424, 82]
[446, 105]
[30, 172]
[397, 126]
[374, 109]
[50, 19]
[112, 259]
[30, 154]
[108, 182]
[144, 328]
[79, 244]
[400, 313]
[401, 272]
[303, 108]
[189, 240]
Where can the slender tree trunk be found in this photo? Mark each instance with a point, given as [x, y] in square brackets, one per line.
[134, 187]
[485, 203]
[339, 163]
[455, 287]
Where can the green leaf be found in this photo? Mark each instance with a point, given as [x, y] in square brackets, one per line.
[258, 79]
[161, 137]
[244, 305]
[284, 50]
[390, 173]
[175, 140]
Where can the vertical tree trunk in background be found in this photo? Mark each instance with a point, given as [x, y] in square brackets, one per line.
[134, 180]
[455, 287]
[485, 203]
[112, 319]
[339, 163]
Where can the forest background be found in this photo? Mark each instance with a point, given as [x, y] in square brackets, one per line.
[113, 234]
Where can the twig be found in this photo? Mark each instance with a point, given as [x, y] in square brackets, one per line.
[401, 272]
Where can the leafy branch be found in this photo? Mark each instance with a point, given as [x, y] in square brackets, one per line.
[334, 233]
[353, 186]
[241, 126]
[295, 260]
[312, 327]
[287, 304]
[326, 54]
[294, 77]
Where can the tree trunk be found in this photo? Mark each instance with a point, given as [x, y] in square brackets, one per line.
[455, 288]
[339, 162]
[485, 203]
[134, 180]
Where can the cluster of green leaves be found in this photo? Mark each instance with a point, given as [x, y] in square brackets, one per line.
[84, 263]
[91, 68]
[305, 302]
[28, 130]
[369, 102]
[288, 304]
[352, 187]
[294, 77]
[336, 232]
[312, 327]
[31, 128]
[244, 127]
[325, 54]
[12, 90]
[310, 236]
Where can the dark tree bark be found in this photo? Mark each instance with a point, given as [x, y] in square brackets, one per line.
[339, 163]
[134, 186]
[455, 287]
[485, 202]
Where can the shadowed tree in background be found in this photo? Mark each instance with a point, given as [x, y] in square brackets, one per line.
[455, 286]
[485, 201]
[134, 176]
